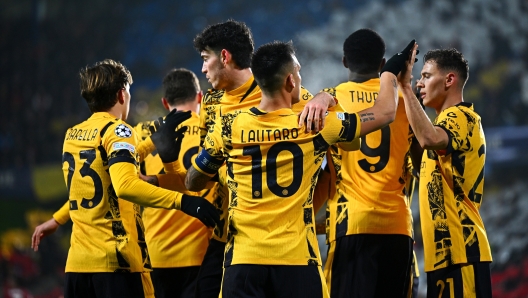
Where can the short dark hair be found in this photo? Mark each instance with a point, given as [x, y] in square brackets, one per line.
[270, 63]
[231, 35]
[101, 82]
[449, 60]
[363, 51]
[180, 85]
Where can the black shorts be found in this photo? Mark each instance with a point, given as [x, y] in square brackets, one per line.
[460, 280]
[370, 265]
[103, 285]
[257, 281]
[175, 282]
[209, 277]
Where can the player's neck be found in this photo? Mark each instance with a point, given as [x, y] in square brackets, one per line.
[237, 78]
[361, 78]
[117, 112]
[189, 106]
[270, 103]
[451, 100]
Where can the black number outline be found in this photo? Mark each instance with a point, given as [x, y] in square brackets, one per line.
[271, 169]
[382, 151]
[86, 170]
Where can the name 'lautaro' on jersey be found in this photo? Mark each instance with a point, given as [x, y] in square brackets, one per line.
[268, 135]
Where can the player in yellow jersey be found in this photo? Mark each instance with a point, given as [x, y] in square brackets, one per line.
[101, 156]
[369, 219]
[273, 167]
[456, 249]
[226, 50]
[176, 241]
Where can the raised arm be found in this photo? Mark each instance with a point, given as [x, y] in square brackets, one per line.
[384, 110]
[428, 135]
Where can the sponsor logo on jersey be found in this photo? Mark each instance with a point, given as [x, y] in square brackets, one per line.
[122, 145]
[340, 116]
[123, 131]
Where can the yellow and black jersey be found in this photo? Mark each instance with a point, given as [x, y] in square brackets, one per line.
[369, 194]
[100, 159]
[174, 238]
[410, 186]
[240, 99]
[272, 170]
[451, 188]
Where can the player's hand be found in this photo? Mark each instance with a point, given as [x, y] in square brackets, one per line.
[200, 208]
[405, 76]
[165, 136]
[152, 179]
[43, 230]
[398, 62]
[314, 112]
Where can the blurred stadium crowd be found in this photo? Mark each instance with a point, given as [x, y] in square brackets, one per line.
[43, 45]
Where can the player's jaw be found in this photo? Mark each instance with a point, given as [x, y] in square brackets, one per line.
[213, 69]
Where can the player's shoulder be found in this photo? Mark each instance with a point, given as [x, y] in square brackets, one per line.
[143, 130]
[459, 112]
[305, 94]
[120, 129]
[212, 97]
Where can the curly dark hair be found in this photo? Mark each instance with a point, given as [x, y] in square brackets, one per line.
[180, 85]
[101, 82]
[231, 35]
[270, 63]
[449, 60]
[363, 51]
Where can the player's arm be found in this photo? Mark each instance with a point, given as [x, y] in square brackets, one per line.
[314, 112]
[428, 135]
[49, 227]
[128, 186]
[144, 148]
[207, 163]
[384, 110]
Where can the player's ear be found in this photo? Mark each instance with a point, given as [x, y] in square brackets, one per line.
[450, 79]
[345, 62]
[225, 57]
[382, 63]
[290, 83]
[199, 96]
[121, 96]
[165, 104]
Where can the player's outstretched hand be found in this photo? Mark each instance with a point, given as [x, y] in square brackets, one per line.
[200, 208]
[43, 230]
[405, 76]
[398, 62]
[314, 112]
[165, 136]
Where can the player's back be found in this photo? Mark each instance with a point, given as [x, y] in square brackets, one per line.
[370, 180]
[105, 229]
[175, 239]
[217, 102]
[272, 169]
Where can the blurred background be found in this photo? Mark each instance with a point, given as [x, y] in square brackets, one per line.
[44, 44]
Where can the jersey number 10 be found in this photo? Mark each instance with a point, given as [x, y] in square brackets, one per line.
[271, 169]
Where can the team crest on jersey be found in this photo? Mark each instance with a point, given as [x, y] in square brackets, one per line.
[123, 131]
